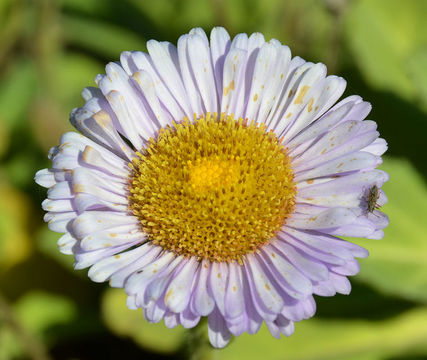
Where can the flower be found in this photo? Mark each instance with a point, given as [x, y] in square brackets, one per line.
[213, 179]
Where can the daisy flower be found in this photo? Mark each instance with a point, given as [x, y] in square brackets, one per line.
[213, 179]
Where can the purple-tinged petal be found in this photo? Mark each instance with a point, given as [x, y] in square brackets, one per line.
[219, 335]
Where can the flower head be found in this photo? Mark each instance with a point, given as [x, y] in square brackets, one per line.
[213, 178]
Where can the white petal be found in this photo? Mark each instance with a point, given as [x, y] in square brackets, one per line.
[162, 88]
[202, 302]
[154, 311]
[327, 219]
[350, 183]
[63, 205]
[200, 59]
[303, 78]
[220, 45]
[118, 169]
[350, 162]
[101, 129]
[341, 283]
[234, 299]
[316, 100]
[264, 63]
[219, 335]
[171, 319]
[112, 237]
[165, 59]
[66, 243]
[92, 221]
[119, 277]
[188, 76]
[179, 291]
[217, 283]
[234, 71]
[378, 147]
[265, 289]
[60, 222]
[293, 281]
[104, 269]
[45, 178]
[139, 280]
[274, 87]
[333, 247]
[188, 319]
[85, 259]
[347, 137]
[313, 269]
[145, 84]
[127, 119]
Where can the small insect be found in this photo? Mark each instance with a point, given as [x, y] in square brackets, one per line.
[372, 198]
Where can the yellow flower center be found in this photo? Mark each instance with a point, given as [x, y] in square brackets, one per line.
[210, 174]
[212, 188]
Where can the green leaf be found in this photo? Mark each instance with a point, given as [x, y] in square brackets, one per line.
[318, 339]
[130, 323]
[17, 89]
[100, 37]
[383, 35]
[74, 72]
[14, 238]
[398, 264]
[71, 72]
[37, 313]
[4, 138]
[417, 67]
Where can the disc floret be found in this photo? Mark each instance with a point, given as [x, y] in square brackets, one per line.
[214, 188]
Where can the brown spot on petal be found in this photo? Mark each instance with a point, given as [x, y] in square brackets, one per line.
[229, 87]
[301, 94]
[168, 295]
[78, 188]
[310, 105]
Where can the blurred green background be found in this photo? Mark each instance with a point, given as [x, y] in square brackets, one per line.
[50, 50]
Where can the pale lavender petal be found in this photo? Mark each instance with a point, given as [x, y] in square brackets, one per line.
[220, 45]
[179, 291]
[202, 301]
[219, 335]
[234, 302]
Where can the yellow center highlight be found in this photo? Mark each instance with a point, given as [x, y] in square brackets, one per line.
[212, 188]
[210, 174]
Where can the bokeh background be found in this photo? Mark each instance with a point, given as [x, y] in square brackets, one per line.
[50, 50]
